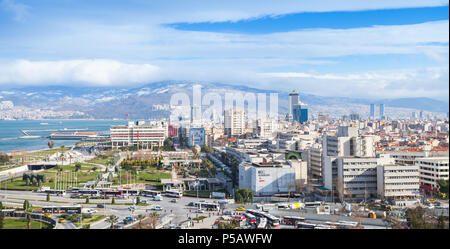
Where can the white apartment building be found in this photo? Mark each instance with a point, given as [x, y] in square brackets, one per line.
[139, 134]
[265, 128]
[396, 182]
[268, 179]
[234, 122]
[315, 162]
[431, 170]
[357, 178]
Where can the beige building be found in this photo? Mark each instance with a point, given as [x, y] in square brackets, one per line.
[397, 181]
[432, 169]
[141, 134]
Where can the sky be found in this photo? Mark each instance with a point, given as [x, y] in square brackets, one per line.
[348, 48]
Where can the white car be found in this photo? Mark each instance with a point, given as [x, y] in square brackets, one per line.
[155, 208]
[158, 198]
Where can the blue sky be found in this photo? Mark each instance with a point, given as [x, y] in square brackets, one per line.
[348, 48]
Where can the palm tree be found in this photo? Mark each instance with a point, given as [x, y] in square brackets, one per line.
[112, 219]
[140, 217]
[153, 219]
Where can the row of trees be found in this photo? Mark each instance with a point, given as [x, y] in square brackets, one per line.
[416, 219]
[129, 164]
[35, 180]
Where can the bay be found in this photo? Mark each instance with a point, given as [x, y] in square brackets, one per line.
[10, 131]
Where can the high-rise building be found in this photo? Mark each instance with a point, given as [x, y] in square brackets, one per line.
[293, 100]
[421, 115]
[300, 113]
[372, 111]
[234, 122]
[381, 111]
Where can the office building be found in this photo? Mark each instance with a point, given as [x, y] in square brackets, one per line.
[431, 170]
[300, 113]
[234, 122]
[381, 111]
[396, 181]
[372, 111]
[141, 134]
[293, 100]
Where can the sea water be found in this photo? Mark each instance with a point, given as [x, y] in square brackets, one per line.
[10, 131]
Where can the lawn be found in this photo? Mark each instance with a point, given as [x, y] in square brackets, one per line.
[91, 220]
[19, 184]
[101, 160]
[12, 223]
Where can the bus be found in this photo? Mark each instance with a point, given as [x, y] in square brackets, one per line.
[111, 192]
[174, 193]
[207, 206]
[150, 193]
[250, 217]
[292, 220]
[55, 192]
[89, 192]
[130, 191]
[272, 220]
[262, 223]
[76, 209]
[312, 204]
[305, 225]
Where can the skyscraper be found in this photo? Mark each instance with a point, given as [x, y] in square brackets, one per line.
[372, 110]
[293, 100]
[381, 111]
[300, 113]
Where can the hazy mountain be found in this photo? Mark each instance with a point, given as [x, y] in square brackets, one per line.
[148, 101]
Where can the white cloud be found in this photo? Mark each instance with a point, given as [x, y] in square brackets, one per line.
[419, 82]
[92, 72]
[19, 10]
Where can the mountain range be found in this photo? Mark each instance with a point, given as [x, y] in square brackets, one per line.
[151, 100]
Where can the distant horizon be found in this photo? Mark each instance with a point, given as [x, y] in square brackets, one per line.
[3, 88]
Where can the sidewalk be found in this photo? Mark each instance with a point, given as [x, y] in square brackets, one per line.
[206, 223]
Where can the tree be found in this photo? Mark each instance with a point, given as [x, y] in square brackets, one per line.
[77, 167]
[443, 186]
[244, 195]
[140, 217]
[1, 205]
[51, 143]
[113, 201]
[138, 200]
[87, 199]
[112, 219]
[2, 217]
[194, 150]
[94, 168]
[4, 158]
[441, 222]
[48, 197]
[153, 219]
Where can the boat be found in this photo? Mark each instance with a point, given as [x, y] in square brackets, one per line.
[43, 123]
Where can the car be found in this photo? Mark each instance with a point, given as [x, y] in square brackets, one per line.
[242, 208]
[190, 204]
[173, 200]
[200, 211]
[100, 206]
[155, 208]
[48, 215]
[61, 220]
[158, 198]
[228, 212]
